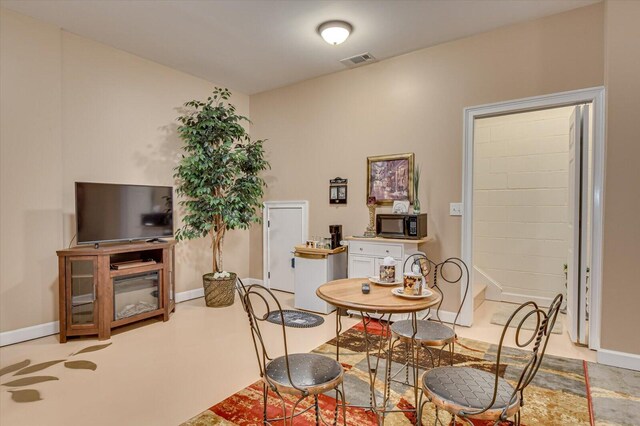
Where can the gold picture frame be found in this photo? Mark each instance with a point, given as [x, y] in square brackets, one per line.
[390, 178]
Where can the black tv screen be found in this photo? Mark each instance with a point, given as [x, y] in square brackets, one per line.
[113, 212]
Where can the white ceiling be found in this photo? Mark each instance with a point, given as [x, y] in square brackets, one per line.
[257, 45]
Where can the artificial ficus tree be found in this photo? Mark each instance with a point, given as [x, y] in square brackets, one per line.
[218, 174]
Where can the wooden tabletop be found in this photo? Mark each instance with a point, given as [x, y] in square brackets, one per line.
[347, 294]
[311, 250]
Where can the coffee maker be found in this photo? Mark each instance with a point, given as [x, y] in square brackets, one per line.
[336, 235]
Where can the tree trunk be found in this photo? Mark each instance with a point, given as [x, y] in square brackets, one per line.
[217, 235]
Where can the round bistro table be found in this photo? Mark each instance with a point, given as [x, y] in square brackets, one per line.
[347, 294]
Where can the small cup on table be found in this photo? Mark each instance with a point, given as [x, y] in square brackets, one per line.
[412, 283]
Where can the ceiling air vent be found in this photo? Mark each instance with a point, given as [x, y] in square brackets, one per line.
[358, 60]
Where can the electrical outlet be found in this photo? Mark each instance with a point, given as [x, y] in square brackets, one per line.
[455, 209]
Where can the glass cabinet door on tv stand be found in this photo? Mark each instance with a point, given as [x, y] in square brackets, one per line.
[81, 287]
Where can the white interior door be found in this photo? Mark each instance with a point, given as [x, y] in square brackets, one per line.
[285, 230]
[577, 224]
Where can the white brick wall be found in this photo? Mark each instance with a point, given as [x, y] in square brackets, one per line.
[520, 200]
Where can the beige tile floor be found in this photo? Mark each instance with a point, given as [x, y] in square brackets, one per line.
[482, 329]
[165, 373]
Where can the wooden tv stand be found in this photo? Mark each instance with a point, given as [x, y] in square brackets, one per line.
[104, 287]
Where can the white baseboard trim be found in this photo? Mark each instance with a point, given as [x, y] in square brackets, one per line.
[50, 328]
[183, 296]
[252, 281]
[446, 316]
[618, 359]
[196, 293]
[29, 333]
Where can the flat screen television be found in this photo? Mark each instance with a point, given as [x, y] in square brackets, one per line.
[108, 212]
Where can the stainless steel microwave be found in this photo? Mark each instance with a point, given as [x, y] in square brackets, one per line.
[408, 226]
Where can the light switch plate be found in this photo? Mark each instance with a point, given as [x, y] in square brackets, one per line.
[455, 209]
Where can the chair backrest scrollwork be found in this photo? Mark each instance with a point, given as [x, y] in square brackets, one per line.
[452, 271]
[258, 302]
[545, 320]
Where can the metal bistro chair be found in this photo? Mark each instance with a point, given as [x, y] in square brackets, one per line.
[301, 375]
[468, 393]
[432, 333]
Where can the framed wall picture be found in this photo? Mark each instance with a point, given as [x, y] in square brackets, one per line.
[390, 178]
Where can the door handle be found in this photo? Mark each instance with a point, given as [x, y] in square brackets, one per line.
[293, 262]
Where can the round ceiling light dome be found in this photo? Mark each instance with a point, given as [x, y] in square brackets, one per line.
[335, 32]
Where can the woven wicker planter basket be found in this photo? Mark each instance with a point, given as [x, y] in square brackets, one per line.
[219, 292]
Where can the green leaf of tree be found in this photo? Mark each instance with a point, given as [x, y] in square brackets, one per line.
[218, 175]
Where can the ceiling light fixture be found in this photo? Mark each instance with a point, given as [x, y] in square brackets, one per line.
[335, 32]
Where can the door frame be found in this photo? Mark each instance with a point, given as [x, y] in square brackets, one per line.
[593, 95]
[267, 205]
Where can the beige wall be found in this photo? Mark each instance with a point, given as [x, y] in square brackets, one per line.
[620, 289]
[520, 200]
[74, 109]
[326, 127]
[30, 170]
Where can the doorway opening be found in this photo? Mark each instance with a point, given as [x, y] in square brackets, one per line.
[532, 219]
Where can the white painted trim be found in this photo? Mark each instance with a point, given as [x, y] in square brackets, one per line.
[448, 317]
[196, 293]
[183, 296]
[618, 359]
[493, 290]
[51, 328]
[595, 96]
[29, 333]
[252, 281]
[304, 205]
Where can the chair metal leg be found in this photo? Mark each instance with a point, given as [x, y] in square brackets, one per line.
[344, 405]
[406, 366]
[335, 412]
[452, 350]
[265, 391]
[419, 409]
[293, 410]
[437, 419]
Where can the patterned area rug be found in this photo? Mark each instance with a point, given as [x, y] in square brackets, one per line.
[558, 395]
